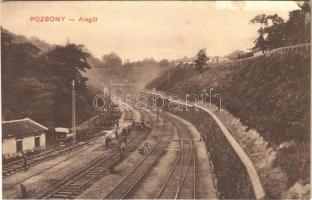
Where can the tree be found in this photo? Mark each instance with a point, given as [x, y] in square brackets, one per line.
[65, 63]
[271, 32]
[275, 33]
[112, 60]
[260, 44]
[201, 60]
[37, 84]
[164, 63]
[235, 54]
[298, 27]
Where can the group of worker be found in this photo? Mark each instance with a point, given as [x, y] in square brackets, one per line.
[142, 125]
[108, 144]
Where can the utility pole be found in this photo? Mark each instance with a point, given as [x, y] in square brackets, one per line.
[157, 115]
[104, 99]
[74, 111]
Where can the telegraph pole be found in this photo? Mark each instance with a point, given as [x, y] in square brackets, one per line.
[74, 110]
[157, 115]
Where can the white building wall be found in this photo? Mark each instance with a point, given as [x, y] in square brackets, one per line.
[43, 140]
[29, 143]
[8, 147]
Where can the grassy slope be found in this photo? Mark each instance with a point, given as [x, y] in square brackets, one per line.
[269, 94]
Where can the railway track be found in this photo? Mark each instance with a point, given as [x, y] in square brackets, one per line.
[17, 166]
[126, 186]
[181, 180]
[74, 185]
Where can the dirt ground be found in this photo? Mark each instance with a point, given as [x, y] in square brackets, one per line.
[150, 185]
[102, 187]
[205, 186]
[46, 174]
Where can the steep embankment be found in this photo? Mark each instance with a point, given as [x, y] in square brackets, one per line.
[269, 94]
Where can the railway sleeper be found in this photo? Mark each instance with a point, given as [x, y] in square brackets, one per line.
[65, 193]
[70, 188]
[59, 196]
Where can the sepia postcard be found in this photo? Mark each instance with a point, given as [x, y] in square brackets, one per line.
[156, 99]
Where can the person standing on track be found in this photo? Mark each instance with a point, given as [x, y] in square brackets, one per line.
[108, 142]
[112, 168]
[116, 134]
[23, 192]
[202, 137]
[145, 148]
[122, 150]
[124, 135]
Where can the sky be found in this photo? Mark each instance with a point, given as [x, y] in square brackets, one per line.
[145, 29]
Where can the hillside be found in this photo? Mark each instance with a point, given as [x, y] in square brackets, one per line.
[18, 39]
[32, 77]
[45, 91]
[269, 94]
[99, 75]
[103, 76]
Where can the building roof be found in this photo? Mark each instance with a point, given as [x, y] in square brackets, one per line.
[21, 127]
[62, 130]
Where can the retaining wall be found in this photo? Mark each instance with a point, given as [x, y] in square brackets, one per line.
[236, 177]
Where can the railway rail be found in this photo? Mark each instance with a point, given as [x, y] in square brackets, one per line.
[75, 184]
[126, 186]
[184, 168]
[17, 166]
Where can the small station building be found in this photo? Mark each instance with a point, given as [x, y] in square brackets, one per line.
[22, 136]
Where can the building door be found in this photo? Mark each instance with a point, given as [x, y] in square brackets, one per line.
[37, 142]
[19, 145]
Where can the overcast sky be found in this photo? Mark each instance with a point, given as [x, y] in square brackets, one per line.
[136, 30]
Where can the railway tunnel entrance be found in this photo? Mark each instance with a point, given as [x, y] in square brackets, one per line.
[122, 89]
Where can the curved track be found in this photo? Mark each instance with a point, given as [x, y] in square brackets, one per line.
[184, 168]
[17, 166]
[84, 178]
[131, 181]
[181, 181]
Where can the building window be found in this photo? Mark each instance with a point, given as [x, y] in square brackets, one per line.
[37, 142]
[19, 145]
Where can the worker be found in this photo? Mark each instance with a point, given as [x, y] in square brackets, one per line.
[116, 134]
[202, 137]
[108, 142]
[124, 135]
[23, 192]
[122, 150]
[145, 148]
[112, 168]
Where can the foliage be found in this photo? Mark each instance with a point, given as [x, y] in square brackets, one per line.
[112, 60]
[164, 63]
[274, 32]
[201, 59]
[267, 95]
[146, 62]
[37, 84]
[238, 54]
